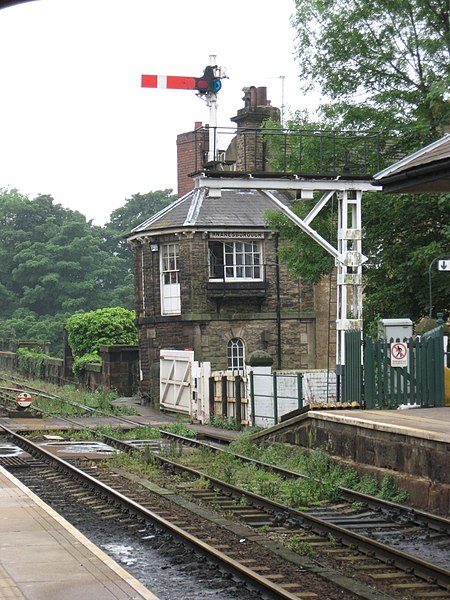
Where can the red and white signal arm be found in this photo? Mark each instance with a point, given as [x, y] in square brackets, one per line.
[399, 354]
[24, 400]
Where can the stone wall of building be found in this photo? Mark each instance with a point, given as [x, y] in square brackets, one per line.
[281, 321]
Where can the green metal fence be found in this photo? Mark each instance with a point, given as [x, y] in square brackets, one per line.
[420, 382]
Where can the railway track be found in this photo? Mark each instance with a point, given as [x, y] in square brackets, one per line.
[337, 531]
[403, 576]
[333, 535]
[269, 575]
[374, 517]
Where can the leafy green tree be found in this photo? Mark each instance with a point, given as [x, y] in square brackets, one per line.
[403, 234]
[136, 209]
[53, 262]
[383, 66]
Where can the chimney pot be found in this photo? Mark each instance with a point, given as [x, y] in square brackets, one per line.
[261, 96]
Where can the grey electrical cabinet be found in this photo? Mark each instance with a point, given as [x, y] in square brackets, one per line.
[395, 328]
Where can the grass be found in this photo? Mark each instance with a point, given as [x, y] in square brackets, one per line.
[321, 483]
[136, 464]
[223, 423]
[70, 402]
[296, 544]
[57, 401]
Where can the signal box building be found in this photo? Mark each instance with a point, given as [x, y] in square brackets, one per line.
[208, 277]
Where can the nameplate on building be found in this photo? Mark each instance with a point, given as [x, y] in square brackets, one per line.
[235, 235]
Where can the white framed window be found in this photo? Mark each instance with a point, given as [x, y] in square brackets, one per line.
[236, 354]
[235, 260]
[170, 279]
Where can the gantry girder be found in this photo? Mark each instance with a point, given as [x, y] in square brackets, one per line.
[348, 253]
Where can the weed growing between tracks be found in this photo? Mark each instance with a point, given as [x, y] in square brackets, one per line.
[136, 463]
[296, 544]
[321, 484]
[145, 432]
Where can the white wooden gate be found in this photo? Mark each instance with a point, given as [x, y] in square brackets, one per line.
[184, 384]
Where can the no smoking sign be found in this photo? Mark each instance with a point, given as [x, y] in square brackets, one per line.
[399, 354]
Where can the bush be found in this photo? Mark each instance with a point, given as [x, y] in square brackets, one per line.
[31, 364]
[88, 331]
[80, 362]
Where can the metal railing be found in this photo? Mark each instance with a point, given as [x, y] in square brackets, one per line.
[290, 151]
[274, 401]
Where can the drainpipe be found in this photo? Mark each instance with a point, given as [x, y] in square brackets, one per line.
[278, 311]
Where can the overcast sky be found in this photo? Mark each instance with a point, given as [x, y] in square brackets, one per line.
[74, 121]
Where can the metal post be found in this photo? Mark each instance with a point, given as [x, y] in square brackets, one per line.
[430, 303]
[429, 282]
[252, 398]
[275, 399]
[211, 101]
[299, 390]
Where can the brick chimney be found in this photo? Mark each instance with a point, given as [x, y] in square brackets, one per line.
[192, 147]
[250, 147]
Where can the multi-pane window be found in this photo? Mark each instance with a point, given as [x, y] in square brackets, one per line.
[235, 351]
[170, 279]
[235, 260]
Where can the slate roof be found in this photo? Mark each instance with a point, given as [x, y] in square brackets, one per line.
[428, 169]
[238, 209]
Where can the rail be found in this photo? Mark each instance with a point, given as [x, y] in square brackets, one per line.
[284, 150]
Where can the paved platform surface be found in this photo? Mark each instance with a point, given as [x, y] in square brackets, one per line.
[42, 557]
[426, 423]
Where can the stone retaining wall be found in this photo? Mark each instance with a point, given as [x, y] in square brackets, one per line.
[419, 465]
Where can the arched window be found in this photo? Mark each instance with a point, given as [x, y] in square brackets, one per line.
[236, 354]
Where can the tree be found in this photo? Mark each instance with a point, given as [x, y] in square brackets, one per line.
[136, 209]
[384, 66]
[53, 262]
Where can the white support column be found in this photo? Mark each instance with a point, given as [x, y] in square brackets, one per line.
[349, 292]
[211, 101]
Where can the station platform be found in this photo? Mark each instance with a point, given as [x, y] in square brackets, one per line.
[412, 445]
[42, 557]
[425, 423]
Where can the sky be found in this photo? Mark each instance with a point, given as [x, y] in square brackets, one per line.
[74, 120]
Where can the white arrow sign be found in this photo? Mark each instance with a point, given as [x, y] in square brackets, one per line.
[444, 265]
